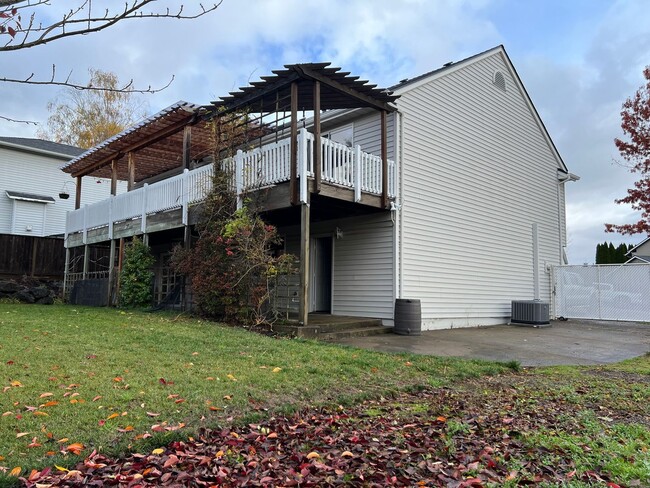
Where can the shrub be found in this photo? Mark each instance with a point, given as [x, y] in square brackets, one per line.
[136, 278]
[231, 267]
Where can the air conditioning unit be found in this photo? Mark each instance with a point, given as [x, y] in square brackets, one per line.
[534, 313]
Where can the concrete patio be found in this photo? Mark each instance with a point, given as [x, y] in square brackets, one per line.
[572, 342]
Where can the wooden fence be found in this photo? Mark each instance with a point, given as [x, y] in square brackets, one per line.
[32, 256]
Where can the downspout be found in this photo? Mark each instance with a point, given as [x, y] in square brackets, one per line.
[562, 177]
[401, 202]
[395, 208]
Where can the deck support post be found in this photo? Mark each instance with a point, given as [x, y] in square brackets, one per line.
[77, 199]
[317, 147]
[293, 182]
[187, 143]
[304, 264]
[111, 273]
[114, 177]
[384, 162]
[86, 261]
[131, 171]
[120, 258]
[66, 270]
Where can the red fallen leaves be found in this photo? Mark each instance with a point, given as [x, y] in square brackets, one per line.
[334, 447]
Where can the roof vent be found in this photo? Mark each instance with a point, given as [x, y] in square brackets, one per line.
[447, 64]
[499, 81]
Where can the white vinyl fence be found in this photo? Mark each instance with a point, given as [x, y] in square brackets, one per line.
[606, 292]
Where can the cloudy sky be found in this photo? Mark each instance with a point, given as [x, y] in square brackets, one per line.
[579, 60]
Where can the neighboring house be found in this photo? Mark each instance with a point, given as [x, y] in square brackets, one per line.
[31, 182]
[639, 254]
[429, 191]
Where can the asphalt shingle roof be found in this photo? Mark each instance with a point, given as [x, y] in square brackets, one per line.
[43, 145]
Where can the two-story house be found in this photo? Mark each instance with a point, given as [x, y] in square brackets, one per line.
[444, 188]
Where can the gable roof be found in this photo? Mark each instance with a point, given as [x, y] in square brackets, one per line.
[637, 246]
[41, 146]
[410, 84]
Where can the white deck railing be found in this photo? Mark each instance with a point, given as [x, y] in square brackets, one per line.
[261, 167]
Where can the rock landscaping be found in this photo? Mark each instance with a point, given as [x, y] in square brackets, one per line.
[30, 290]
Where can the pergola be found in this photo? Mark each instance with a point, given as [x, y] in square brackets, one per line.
[170, 139]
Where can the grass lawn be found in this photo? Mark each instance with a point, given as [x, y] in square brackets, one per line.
[78, 379]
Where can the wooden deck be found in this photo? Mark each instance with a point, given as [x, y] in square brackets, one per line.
[262, 174]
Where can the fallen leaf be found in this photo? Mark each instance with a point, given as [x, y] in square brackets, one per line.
[97, 398]
[50, 404]
[227, 397]
[276, 370]
[195, 354]
[75, 448]
[113, 416]
[101, 422]
[117, 379]
[21, 434]
[210, 378]
[41, 414]
[180, 400]
[215, 409]
[45, 395]
[62, 440]
[34, 443]
[313, 455]
[59, 468]
[160, 450]
[231, 377]
[441, 419]
[7, 413]
[347, 454]
[152, 414]
[16, 471]
[16, 383]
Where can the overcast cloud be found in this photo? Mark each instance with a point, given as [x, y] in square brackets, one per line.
[579, 60]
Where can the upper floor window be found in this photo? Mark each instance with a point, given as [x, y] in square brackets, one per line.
[343, 135]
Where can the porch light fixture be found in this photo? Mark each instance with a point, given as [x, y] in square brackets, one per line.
[338, 233]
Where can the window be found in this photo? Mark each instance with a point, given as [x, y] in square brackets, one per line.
[343, 135]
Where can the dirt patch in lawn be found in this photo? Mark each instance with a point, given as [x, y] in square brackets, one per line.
[510, 430]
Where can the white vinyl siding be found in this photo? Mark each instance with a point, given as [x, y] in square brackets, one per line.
[477, 173]
[363, 265]
[367, 133]
[29, 172]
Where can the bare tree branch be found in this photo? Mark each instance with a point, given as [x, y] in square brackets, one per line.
[18, 121]
[126, 88]
[75, 23]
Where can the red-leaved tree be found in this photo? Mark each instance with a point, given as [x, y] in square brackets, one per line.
[635, 150]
